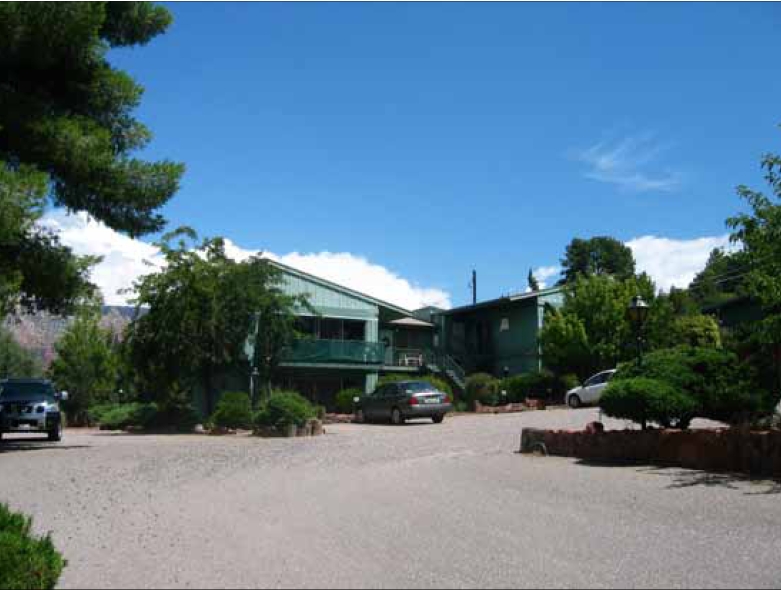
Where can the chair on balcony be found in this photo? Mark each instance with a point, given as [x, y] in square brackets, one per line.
[412, 359]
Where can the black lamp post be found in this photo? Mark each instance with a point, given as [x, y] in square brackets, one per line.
[637, 312]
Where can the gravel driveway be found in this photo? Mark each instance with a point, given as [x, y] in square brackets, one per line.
[383, 507]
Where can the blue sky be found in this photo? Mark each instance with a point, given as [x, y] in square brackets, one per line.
[433, 138]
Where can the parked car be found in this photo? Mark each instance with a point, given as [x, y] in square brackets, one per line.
[591, 391]
[31, 405]
[403, 400]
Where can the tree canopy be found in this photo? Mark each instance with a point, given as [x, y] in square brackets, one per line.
[199, 312]
[67, 112]
[591, 332]
[67, 138]
[86, 364]
[599, 256]
[721, 280]
[534, 284]
[759, 233]
[16, 361]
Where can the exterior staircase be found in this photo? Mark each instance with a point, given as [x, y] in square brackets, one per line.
[444, 365]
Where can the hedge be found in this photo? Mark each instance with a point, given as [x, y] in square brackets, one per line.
[483, 388]
[234, 410]
[644, 400]
[283, 409]
[722, 387]
[26, 562]
[345, 403]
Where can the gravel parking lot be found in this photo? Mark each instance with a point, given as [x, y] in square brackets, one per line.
[384, 507]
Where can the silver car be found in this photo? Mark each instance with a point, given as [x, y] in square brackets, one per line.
[404, 400]
[30, 405]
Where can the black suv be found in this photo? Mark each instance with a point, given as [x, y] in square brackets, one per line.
[30, 405]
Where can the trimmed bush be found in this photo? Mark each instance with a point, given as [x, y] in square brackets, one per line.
[543, 385]
[344, 400]
[26, 562]
[183, 418]
[483, 388]
[123, 417]
[283, 409]
[724, 388]
[643, 401]
[234, 410]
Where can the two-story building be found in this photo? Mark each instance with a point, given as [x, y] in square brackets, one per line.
[352, 339]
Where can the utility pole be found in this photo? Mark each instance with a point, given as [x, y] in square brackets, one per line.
[474, 287]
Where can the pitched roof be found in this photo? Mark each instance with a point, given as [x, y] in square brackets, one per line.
[504, 300]
[332, 285]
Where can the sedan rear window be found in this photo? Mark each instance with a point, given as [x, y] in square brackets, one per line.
[418, 387]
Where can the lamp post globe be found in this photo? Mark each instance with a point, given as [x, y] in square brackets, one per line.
[638, 311]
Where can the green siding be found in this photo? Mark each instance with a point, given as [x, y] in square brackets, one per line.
[474, 337]
[329, 301]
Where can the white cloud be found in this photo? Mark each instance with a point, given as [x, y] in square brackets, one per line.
[674, 263]
[545, 273]
[123, 257]
[124, 262]
[626, 164]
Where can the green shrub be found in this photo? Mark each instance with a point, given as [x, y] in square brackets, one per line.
[283, 409]
[234, 410]
[26, 562]
[122, 417]
[344, 400]
[96, 413]
[724, 388]
[538, 385]
[183, 418]
[645, 400]
[483, 388]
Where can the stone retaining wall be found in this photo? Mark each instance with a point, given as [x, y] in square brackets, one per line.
[755, 453]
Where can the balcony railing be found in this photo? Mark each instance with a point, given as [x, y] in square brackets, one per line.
[335, 351]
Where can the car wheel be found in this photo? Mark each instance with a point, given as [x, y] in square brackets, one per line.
[438, 419]
[360, 418]
[396, 417]
[574, 402]
[56, 435]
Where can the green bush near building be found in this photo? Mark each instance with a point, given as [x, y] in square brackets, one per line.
[543, 385]
[283, 409]
[126, 416]
[234, 410]
[26, 561]
[483, 388]
[344, 400]
[644, 401]
[181, 417]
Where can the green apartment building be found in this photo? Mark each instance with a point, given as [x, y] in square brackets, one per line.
[352, 339]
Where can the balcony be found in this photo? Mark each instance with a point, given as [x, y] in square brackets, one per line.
[335, 351]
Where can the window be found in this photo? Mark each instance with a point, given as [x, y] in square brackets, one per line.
[505, 325]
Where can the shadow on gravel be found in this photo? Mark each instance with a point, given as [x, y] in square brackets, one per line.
[22, 446]
[684, 478]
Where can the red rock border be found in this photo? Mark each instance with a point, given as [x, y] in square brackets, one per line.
[731, 450]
